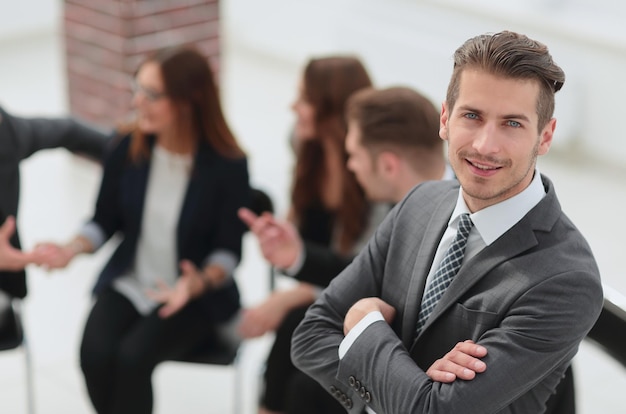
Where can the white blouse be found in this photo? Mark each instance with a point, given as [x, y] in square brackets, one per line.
[156, 257]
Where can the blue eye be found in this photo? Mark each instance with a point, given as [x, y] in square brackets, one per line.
[513, 124]
[471, 115]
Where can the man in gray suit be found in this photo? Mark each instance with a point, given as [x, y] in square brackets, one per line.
[528, 289]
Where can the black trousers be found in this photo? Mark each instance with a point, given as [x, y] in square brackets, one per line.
[120, 349]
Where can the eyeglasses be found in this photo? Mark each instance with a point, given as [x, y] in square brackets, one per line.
[150, 94]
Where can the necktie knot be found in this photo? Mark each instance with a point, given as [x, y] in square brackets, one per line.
[465, 225]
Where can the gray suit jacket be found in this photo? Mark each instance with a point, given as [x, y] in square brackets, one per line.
[529, 298]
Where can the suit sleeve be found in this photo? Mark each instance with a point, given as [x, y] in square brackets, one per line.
[316, 341]
[34, 134]
[107, 214]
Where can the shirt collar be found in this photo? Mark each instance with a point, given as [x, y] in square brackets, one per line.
[493, 221]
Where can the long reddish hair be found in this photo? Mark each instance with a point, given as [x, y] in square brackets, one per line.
[189, 84]
[328, 83]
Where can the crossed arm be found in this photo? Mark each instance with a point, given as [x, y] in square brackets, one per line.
[462, 362]
[530, 339]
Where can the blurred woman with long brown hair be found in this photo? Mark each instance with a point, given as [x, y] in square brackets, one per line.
[328, 207]
[171, 188]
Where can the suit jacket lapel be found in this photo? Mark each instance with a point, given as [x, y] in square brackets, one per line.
[511, 244]
[197, 188]
[515, 241]
[432, 236]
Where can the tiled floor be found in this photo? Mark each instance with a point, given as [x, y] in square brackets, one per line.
[58, 191]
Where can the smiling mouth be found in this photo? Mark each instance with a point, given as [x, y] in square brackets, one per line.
[482, 167]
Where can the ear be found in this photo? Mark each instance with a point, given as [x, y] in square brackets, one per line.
[388, 163]
[545, 139]
[443, 121]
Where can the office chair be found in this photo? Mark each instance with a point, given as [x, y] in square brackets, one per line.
[226, 350]
[12, 337]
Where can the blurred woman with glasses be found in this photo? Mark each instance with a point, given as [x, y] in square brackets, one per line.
[171, 188]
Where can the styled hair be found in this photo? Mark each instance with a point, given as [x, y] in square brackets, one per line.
[189, 84]
[328, 83]
[510, 55]
[398, 119]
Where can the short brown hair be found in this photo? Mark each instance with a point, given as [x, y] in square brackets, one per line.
[397, 118]
[510, 55]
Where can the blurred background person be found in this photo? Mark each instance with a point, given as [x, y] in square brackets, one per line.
[21, 137]
[328, 207]
[171, 188]
[392, 144]
[12, 259]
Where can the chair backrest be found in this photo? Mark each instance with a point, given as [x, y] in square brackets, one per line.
[260, 202]
[11, 333]
[609, 331]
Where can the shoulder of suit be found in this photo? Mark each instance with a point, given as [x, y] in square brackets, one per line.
[437, 186]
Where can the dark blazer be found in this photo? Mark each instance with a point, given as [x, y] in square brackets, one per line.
[529, 298]
[208, 220]
[321, 264]
[19, 139]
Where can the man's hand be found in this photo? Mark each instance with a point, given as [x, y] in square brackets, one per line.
[461, 362]
[12, 259]
[279, 241]
[365, 306]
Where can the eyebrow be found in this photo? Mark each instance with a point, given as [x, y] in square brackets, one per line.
[508, 116]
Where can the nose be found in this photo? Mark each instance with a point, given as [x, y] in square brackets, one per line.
[487, 140]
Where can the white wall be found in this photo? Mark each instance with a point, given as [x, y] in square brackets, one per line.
[32, 86]
[23, 17]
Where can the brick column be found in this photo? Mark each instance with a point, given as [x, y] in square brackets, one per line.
[106, 40]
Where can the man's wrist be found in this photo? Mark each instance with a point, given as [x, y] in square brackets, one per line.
[357, 330]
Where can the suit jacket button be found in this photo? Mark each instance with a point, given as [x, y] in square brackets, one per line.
[349, 403]
[332, 389]
[343, 398]
[351, 380]
[357, 385]
[368, 397]
[362, 392]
